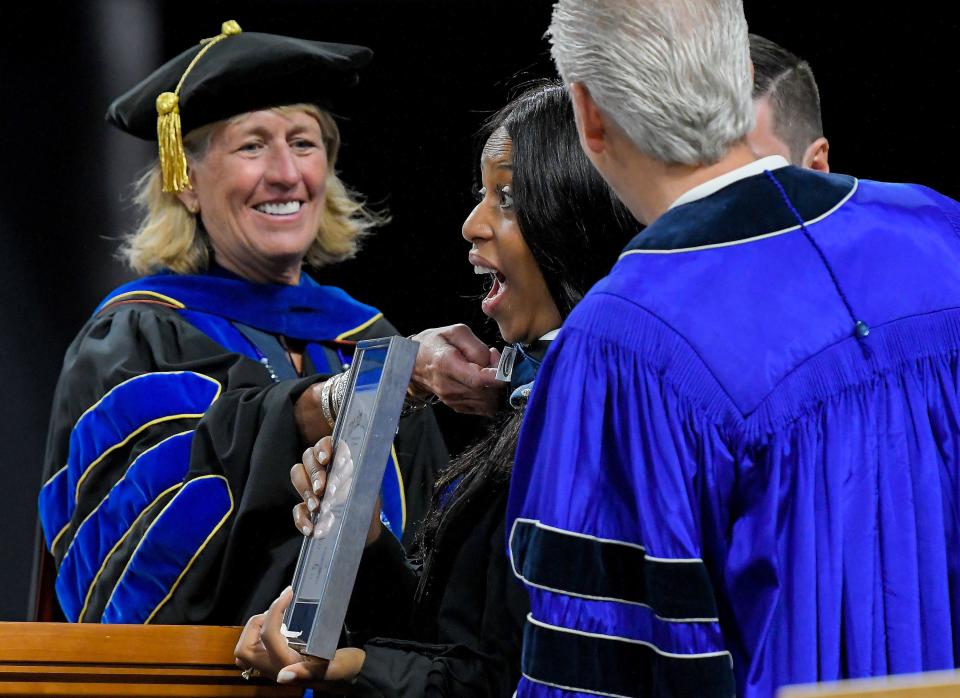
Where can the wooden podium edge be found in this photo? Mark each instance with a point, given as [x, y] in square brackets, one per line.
[68, 659]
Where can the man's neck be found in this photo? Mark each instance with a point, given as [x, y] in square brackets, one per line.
[652, 186]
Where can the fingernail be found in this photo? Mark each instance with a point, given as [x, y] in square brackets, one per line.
[316, 485]
[286, 677]
[312, 504]
[322, 457]
[307, 530]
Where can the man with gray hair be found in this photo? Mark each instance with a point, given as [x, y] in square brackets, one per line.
[787, 105]
[739, 465]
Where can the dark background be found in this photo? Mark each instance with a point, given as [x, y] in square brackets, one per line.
[888, 84]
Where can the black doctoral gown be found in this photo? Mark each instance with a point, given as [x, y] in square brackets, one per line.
[167, 496]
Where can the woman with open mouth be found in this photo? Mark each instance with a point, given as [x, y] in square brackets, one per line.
[449, 622]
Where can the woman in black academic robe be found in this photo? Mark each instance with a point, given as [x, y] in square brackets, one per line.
[185, 397]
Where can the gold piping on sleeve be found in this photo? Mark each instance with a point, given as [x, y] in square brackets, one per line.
[56, 538]
[172, 301]
[358, 328]
[403, 492]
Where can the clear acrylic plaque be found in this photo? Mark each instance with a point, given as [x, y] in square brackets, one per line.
[362, 437]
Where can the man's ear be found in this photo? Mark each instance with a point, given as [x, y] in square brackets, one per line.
[817, 154]
[590, 122]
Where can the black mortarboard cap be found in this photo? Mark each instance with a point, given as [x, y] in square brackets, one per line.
[232, 73]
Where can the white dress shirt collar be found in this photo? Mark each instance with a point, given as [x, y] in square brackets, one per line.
[711, 186]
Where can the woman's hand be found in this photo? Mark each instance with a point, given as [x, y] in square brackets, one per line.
[309, 479]
[262, 646]
[308, 414]
[458, 368]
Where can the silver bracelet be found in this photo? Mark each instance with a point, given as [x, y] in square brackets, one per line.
[339, 392]
[325, 402]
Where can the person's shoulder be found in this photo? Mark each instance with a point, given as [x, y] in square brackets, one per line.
[916, 200]
[129, 320]
[144, 292]
[118, 332]
[902, 193]
[336, 294]
[375, 327]
[128, 309]
[371, 323]
[366, 321]
[613, 327]
[134, 309]
[616, 309]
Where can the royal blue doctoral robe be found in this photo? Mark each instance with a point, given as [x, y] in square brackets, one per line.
[724, 483]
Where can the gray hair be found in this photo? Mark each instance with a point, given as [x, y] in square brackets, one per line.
[674, 75]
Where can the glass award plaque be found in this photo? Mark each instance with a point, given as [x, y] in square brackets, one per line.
[362, 438]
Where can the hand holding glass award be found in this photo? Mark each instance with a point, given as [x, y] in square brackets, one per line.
[362, 439]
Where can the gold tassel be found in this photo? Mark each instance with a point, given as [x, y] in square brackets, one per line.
[173, 160]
